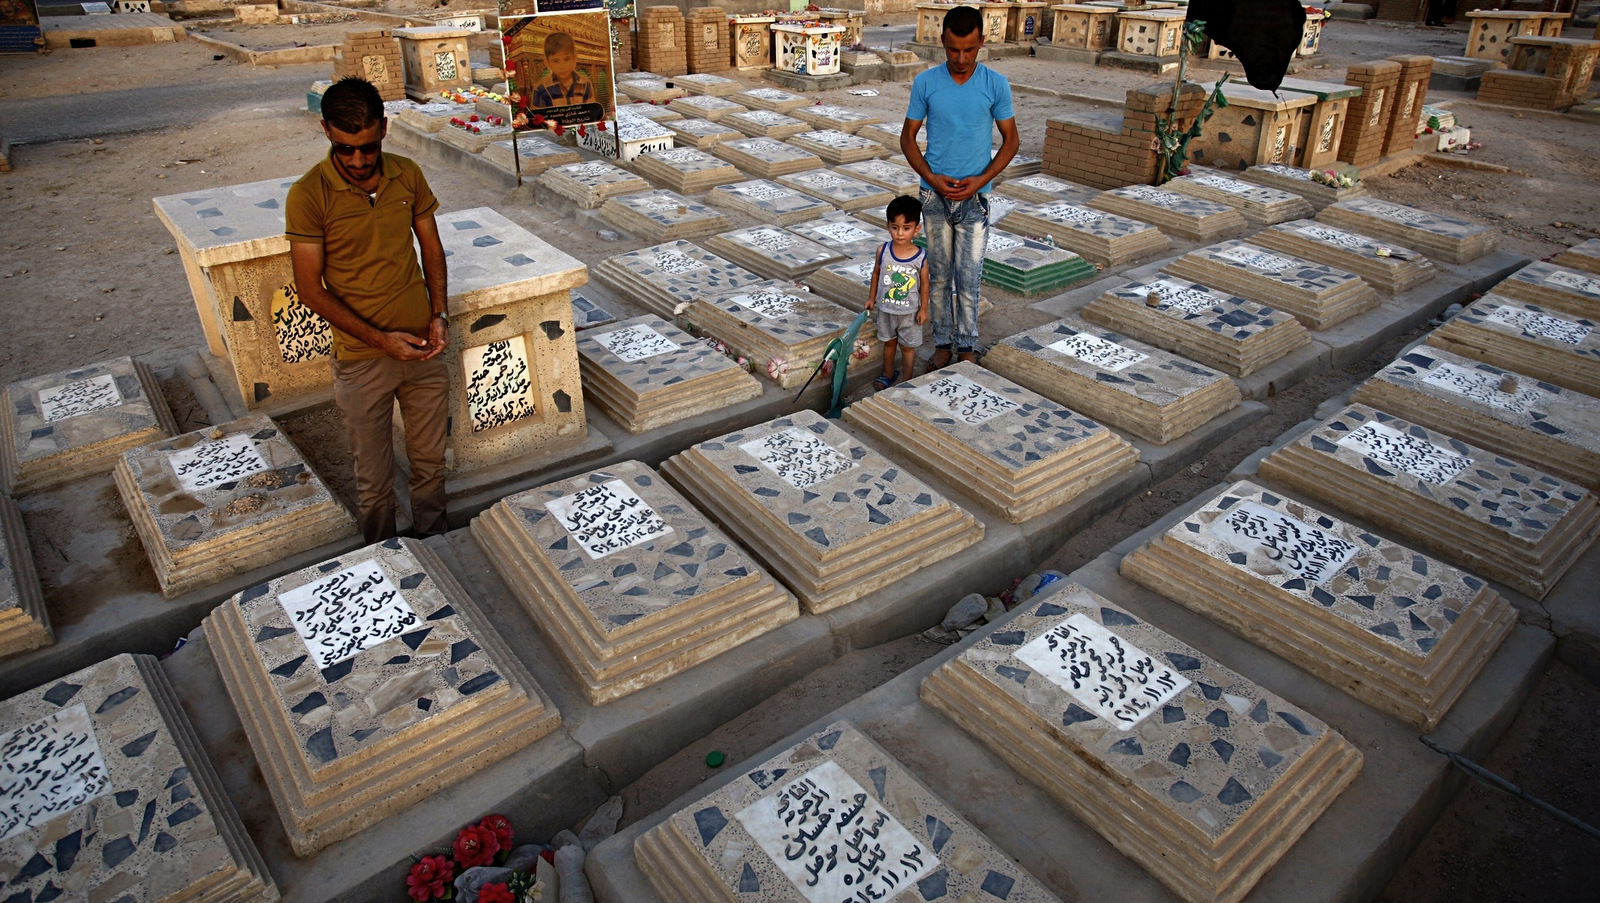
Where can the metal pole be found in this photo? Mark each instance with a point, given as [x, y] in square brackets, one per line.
[1483, 775]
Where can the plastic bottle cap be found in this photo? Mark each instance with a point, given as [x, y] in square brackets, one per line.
[715, 758]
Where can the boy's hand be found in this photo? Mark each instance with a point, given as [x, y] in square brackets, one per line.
[871, 303]
[922, 316]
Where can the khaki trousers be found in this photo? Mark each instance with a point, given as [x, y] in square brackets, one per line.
[365, 392]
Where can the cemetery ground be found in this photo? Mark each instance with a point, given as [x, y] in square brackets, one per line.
[88, 272]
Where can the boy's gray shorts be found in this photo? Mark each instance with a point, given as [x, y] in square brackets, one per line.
[901, 327]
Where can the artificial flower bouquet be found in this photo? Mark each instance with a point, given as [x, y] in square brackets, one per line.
[483, 866]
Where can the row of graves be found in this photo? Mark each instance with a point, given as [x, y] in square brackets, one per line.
[659, 538]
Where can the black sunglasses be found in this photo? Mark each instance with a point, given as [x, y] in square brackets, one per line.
[349, 150]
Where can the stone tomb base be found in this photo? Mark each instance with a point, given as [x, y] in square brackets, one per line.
[1505, 521]
[225, 500]
[113, 732]
[1102, 238]
[1297, 180]
[1584, 256]
[783, 331]
[1385, 267]
[1218, 781]
[1126, 385]
[1259, 203]
[662, 277]
[1174, 213]
[62, 427]
[631, 583]
[833, 519]
[1402, 632]
[1232, 334]
[1572, 292]
[1526, 338]
[732, 843]
[405, 689]
[768, 202]
[1551, 428]
[24, 621]
[1016, 453]
[1316, 294]
[645, 373]
[1440, 237]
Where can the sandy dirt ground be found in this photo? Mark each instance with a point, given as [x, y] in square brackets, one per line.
[87, 272]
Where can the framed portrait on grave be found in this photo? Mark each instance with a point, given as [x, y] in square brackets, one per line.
[559, 67]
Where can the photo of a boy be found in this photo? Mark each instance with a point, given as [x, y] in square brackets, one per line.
[563, 85]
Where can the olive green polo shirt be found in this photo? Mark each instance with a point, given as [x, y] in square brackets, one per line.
[368, 259]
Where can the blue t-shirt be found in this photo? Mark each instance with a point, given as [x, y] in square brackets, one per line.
[959, 119]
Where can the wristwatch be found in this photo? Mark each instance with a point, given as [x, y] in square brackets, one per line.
[441, 315]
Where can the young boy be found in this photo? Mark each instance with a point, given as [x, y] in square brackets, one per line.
[564, 86]
[899, 290]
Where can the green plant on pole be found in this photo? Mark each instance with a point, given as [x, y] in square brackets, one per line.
[1172, 146]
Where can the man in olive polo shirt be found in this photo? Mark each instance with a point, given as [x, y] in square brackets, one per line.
[349, 222]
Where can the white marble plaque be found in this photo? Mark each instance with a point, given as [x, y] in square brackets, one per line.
[444, 63]
[211, 464]
[965, 399]
[833, 841]
[764, 192]
[1099, 352]
[347, 612]
[1297, 547]
[798, 456]
[1258, 259]
[1403, 214]
[680, 155]
[302, 334]
[47, 768]
[999, 244]
[859, 270]
[1542, 325]
[1291, 172]
[770, 239]
[608, 517]
[1483, 388]
[820, 179]
[1403, 451]
[1223, 184]
[676, 262]
[1072, 213]
[1348, 240]
[499, 383]
[637, 342]
[1042, 183]
[1588, 285]
[1108, 675]
[1181, 297]
[844, 233]
[82, 396]
[766, 302]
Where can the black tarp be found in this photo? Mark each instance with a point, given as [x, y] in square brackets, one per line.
[1263, 34]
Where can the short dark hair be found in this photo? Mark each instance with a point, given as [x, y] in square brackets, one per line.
[352, 104]
[558, 41]
[904, 207]
[962, 21]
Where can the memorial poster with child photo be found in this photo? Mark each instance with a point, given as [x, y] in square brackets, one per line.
[559, 69]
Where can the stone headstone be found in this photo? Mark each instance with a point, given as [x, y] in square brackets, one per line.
[645, 372]
[1558, 288]
[1316, 294]
[1171, 212]
[1232, 334]
[766, 158]
[836, 147]
[765, 124]
[701, 132]
[706, 106]
[1258, 203]
[1526, 338]
[769, 202]
[843, 191]
[893, 176]
[783, 331]
[590, 184]
[1386, 267]
[1102, 238]
[662, 215]
[1442, 237]
[1042, 189]
[843, 233]
[825, 116]
[772, 251]
[664, 277]
[1297, 180]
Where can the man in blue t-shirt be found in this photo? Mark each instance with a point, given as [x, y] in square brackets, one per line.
[962, 102]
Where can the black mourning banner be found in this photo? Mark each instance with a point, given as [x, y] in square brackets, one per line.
[1263, 34]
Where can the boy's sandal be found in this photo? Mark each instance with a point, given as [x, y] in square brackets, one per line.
[884, 382]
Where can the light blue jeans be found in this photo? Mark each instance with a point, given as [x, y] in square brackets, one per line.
[957, 232]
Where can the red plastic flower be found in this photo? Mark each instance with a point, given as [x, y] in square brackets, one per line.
[428, 878]
[501, 826]
[476, 846]
[495, 893]
[582, 132]
[602, 125]
[557, 128]
[538, 119]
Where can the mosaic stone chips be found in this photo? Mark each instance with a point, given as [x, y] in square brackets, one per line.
[1258, 203]
[645, 372]
[1386, 267]
[1526, 338]
[731, 845]
[132, 809]
[1102, 238]
[775, 322]
[631, 584]
[1440, 237]
[661, 277]
[1396, 629]
[1315, 294]
[368, 683]
[24, 620]
[1219, 330]
[1198, 775]
[1560, 289]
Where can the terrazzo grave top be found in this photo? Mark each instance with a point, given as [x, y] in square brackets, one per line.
[1437, 223]
[993, 416]
[788, 316]
[364, 651]
[95, 797]
[1203, 742]
[228, 223]
[1503, 494]
[838, 188]
[1462, 381]
[826, 487]
[1229, 316]
[768, 150]
[1406, 598]
[776, 199]
[684, 270]
[782, 247]
[648, 353]
[838, 797]
[1115, 361]
[1170, 200]
[629, 545]
[494, 261]
[78, 408]
[687, 160]
[1551, 329]
[1085, 219]
[844, 233]
[1291, 271]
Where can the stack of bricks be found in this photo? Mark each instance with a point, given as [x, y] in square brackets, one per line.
[661, 43]
[622, 44]
[708, 40]
[374, 56]
[1105, 150]
[1409, 95]
[1366, 125]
